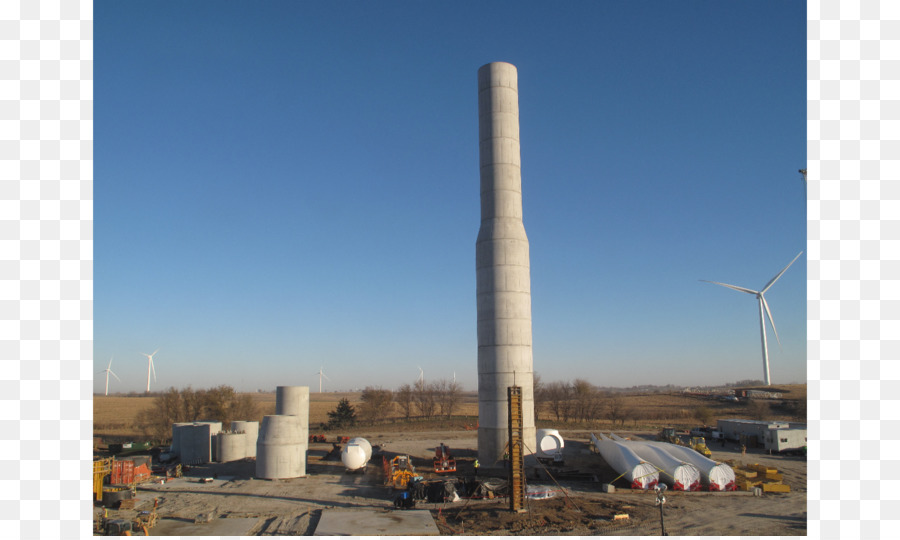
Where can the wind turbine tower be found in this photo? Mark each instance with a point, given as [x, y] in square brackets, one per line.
[321, 374]
[763, 312]
[150, 367]
[109, 371]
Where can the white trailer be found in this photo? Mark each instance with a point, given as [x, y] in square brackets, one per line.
[784, 439]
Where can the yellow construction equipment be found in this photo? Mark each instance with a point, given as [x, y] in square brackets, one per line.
[667, 434]
[699, 444]
[399, 471]
[102, 467]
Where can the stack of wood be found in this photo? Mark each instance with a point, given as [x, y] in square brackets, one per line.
[756, 475]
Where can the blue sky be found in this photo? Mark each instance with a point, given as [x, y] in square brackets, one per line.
[281, 186]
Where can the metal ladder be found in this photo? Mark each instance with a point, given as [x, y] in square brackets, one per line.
[516, 456]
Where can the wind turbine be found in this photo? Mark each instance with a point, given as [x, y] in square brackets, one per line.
[421, 374]
[108, 371]
[763, 307]
[150, 367]
[321, 374]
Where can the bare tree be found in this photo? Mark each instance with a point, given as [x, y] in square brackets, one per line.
[539, 395]
[425, 397]
[557, 395]
[377, 403]
[448, 395]
[404, 398]
[585, 400]
[615, 409]
[704, 415]
[222, 404]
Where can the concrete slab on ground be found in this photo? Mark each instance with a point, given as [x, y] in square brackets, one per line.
[216, 527]
[376, 522]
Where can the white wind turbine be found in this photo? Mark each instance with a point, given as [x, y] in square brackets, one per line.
[321, 374]
[150, 367]
[763, 308]
[109, 371]
[421, 374]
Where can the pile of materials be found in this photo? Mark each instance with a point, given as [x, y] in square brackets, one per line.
[768, 479]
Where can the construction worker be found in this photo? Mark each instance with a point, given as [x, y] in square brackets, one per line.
[476, 466]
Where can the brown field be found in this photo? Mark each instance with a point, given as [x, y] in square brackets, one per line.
[115, 416]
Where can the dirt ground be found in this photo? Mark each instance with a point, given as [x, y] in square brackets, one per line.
[577, 507]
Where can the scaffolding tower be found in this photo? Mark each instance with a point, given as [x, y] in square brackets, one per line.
[516, 455]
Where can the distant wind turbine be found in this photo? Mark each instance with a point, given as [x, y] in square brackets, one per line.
[321, 374]
[421, 374]
[109, 371]
[763, 308]
[150, 367]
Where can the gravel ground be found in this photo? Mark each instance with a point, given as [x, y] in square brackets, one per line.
[578, 507]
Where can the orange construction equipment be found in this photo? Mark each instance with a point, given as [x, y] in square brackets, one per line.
[443, 461]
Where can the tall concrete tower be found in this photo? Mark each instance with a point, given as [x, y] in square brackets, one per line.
[502, 266]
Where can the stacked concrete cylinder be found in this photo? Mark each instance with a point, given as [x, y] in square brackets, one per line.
[284, 436]
[278, 449]
[195, 444]
[292, 400]
[230, 446]
[214, 429]
[252, 431]
[502, 267]
[176, 436]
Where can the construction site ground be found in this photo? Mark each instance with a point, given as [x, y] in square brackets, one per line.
[235, 503]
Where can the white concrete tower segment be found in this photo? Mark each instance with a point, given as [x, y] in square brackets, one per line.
[502, 267]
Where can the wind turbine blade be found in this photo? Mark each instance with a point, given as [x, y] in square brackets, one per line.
[326, 377]
[154, 352]
[114, 375]
[771, 320]
[774, 279]
[110, 364]
[742, 289]
[152, 367]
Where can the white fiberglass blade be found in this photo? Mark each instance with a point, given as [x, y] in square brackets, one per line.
[771, 320]
[152, 367]
[114, 375]
[774, 279]
[742, 289]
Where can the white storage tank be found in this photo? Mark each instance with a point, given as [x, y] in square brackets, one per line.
[230, 446]
[280, 448]
[252, 431]
[550, 443]
[356, 454]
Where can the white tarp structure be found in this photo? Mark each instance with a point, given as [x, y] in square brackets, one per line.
[638, 472]
[684, 475]
[718, 476]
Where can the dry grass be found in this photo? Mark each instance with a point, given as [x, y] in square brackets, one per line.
[115, 416]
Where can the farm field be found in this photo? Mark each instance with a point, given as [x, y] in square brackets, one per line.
[115, 417]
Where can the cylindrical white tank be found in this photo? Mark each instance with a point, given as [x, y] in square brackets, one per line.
[356, 454]
[292, 400]
[549, 443]
[252, 431]
[280, 448]
[230, 446]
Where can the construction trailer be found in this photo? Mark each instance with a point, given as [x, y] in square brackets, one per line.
[785, 439]
[749, 432]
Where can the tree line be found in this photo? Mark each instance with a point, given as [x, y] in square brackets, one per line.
[221, 404]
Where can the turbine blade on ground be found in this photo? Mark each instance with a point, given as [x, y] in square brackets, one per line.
[735, 287]
[769, 313]
[783, 270]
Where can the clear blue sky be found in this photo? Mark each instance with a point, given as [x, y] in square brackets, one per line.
[281, 186]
